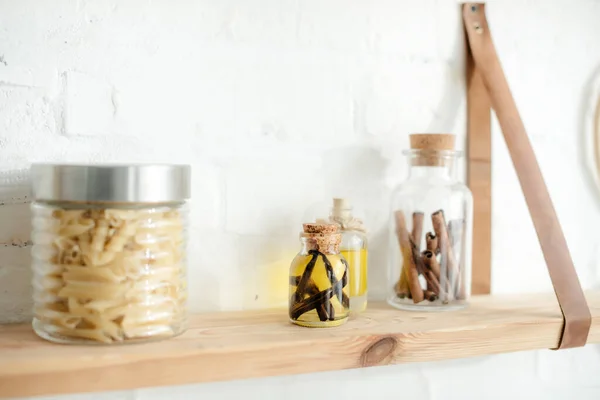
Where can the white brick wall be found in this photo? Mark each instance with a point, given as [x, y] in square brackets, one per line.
[278, 104]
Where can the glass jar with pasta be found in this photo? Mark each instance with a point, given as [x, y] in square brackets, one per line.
[109, 252]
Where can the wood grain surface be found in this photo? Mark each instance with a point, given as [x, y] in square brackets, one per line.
[252, 344]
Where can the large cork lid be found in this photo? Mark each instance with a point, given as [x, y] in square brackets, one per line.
[432, 141]
[319, 229]
[322, 237]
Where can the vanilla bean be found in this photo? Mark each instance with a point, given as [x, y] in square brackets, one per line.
[316, 300]
[330, 310]
[331, 276]
[345, 298]
[301, 288]
[310, 303]
[322, 309]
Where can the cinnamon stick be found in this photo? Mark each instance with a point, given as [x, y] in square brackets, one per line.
[455, 235]
[409, 257]
[429, 295]
[402, 285]
[455, 231]
[432, 243]
[448, 265]
[433, 284]
[430, 279]
[417, 228]
[431, 262]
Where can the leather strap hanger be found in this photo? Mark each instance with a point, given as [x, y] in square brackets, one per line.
[576, 314]
[479, 174]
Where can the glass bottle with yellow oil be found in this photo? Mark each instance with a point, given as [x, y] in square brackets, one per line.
[319, 279]
[354, 249]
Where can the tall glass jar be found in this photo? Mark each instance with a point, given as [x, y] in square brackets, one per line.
[430, 230]
[354, 249]
[109, 252]
[319, 279]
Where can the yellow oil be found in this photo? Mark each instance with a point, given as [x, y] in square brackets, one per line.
[357, 263]
[320, 278]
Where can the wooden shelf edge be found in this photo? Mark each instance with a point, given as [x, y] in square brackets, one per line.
[252, 344]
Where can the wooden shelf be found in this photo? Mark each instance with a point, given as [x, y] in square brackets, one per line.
[252, 344]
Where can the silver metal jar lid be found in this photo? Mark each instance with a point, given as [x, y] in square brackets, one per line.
[144, 183]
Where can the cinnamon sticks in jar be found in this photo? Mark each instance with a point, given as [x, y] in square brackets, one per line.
[409, 277]
[431, 216]
[435, 274]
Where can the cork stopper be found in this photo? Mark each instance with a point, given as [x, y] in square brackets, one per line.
[342, 209]
[316, 228]
[322, 237]
[429, 146]
[341, 204]
[432, 141]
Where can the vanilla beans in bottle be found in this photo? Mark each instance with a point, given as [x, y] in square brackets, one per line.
[319, 279]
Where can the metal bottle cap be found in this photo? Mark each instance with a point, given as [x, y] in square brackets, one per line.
[144, 183]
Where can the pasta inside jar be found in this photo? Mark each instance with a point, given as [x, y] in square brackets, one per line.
[108, 275]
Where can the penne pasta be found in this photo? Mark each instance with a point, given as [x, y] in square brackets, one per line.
[93, 290]
[149, 331]
[66, 216]
[76, 227]
[98, 259]
[48, 283]
[83, 333]
[85, 274]
[99, 236]
[109, 275]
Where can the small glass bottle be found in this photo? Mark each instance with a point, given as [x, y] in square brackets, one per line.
[109, 252]
[430, 230]
[319, 279]
[354, 249]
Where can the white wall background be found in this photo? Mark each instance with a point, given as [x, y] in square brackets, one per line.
[278, 104]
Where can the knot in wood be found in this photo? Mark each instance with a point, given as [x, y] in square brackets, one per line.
[378, 352]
